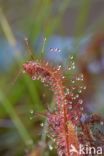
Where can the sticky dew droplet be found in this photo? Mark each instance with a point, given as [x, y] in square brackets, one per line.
[70, 107]
[31, 111]
[73, 67]
[55, 50]
[50, 147]
[70, 102]
[84, 87]
[102, 123]
[77, 95]
[59, 67]
[33, 77]
[42, 124]
[78, 78]
[80, 101]
[76, 118]
[71, 57]
[79, 91]
[67, 91]
[23, 71]
[31, 117]
[31, 114]
[81, 108]
[73, 81]
[69, 68]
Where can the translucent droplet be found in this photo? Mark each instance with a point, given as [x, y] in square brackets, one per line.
[47, 64]
[23, 71]
[69, 68]
[33, 77]
[84, 87]
[30, 117]
[79, 91]
[42, 80]
[76, 118]
[42, 124]
[73, 67]
[70, 107]
[81, 108]
[67, 91]
[80, 101]
[81, 75]
[73, 88]
[73, 81]
[77, 95]
[72, 94]
[51, 49]
[58, 50]
[71, 57]
[59, 67]
[55, 50]
[31, 111]
[54, 140]
[101, 123]
[45, 39]
[51, 147]
[78, 78]
[73, 63]
[74, 98]
[70, 102]
[81, 87]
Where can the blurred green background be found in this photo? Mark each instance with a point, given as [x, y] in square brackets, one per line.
[69, 25]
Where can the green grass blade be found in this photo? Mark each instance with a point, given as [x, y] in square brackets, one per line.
[16, 120]
[82, 17]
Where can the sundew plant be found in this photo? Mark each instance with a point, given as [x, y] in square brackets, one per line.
[51, 99]
[69, 124]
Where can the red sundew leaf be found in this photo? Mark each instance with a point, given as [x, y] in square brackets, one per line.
[61, 126]
[68, 115]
